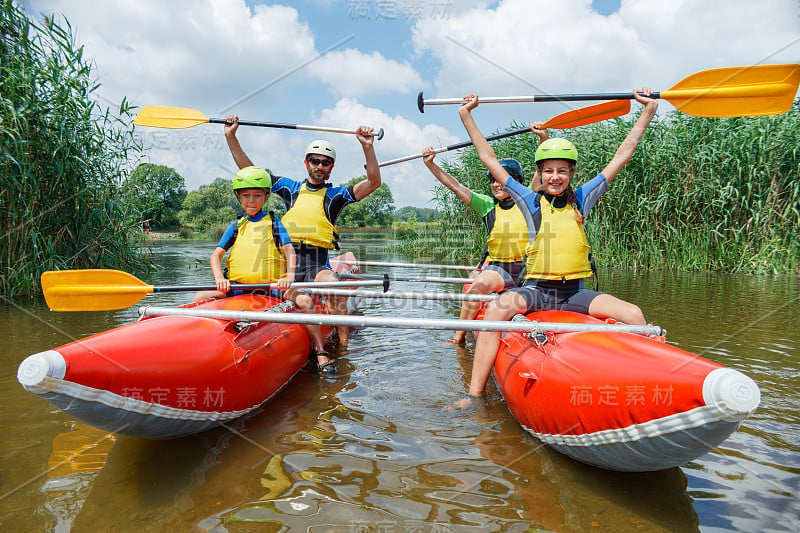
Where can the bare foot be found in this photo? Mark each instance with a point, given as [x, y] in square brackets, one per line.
[343, 335]
[464, 403]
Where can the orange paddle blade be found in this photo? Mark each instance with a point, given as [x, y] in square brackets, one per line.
[92, 290]
[169, 117]
[737, 91]
[589, 114]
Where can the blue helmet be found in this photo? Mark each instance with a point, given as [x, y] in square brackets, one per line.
[513, 168]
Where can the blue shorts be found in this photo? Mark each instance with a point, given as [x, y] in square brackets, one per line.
[509, 271]
[555, 295]
[266, 292]
[275, 293]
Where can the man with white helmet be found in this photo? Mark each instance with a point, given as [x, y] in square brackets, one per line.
[313, 206]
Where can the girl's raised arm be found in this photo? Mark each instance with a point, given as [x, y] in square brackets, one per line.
[628, 146]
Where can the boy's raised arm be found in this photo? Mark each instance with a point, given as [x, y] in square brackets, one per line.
[239, 157]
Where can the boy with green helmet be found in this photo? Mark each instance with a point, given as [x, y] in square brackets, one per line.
[557, 259]
[260, 251]
[253, 178]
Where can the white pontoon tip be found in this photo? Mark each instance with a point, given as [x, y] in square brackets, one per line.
[732, 391]
[37, 372]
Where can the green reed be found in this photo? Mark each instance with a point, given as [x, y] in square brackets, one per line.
[700, 194]
[62, 159]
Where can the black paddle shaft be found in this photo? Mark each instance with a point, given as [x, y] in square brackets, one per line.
[255, 123]
[557, 98]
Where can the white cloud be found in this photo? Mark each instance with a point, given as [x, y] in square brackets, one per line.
[186, 53]
[354, 73]
[209, 54]
[212, 53]
[565, 47]
[410, 181]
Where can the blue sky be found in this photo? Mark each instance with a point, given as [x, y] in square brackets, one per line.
[342, 63]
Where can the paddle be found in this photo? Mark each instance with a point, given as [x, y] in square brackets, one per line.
[570, 119]
[106, 290]
[721, 92]
[451, 324]
[399, 295]
[176, 118]
[388, 278]
[406, 265]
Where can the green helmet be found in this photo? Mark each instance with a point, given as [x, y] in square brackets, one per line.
[252, 178]
[557, 148]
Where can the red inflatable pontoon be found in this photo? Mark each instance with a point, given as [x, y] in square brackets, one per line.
[617, 400]
[169, 376]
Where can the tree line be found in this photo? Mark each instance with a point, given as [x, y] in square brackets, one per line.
[157, 199]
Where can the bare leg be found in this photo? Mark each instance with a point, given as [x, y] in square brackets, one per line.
[486, 282]
[503, 308]
[205, 295]
[305, 304]
[336, 306]
[607, 306]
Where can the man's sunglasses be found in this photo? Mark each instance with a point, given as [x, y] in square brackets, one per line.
[316, 161]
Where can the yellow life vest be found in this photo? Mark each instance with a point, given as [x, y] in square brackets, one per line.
[560, 249]
[255, 257]
[306, 221]
[509, 236]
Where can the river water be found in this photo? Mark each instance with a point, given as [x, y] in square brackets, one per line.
[372, 450]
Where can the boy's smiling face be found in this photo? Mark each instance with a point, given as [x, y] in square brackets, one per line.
[252, 200]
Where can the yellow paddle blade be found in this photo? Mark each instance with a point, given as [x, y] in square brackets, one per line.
[169, 117]
[737, 91]
[92, 290]
[589, 114]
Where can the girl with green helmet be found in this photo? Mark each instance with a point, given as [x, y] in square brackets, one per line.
[260, 251]
[558, 252]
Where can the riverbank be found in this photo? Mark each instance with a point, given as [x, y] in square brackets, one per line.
[161, 235]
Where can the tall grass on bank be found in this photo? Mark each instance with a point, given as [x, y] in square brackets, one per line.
[62, 158]
[700, 194]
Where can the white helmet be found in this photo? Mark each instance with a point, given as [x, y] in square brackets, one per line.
[321, 147]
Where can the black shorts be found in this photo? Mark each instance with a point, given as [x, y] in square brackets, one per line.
[555, 295]
[311, 260]
[510, 272]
